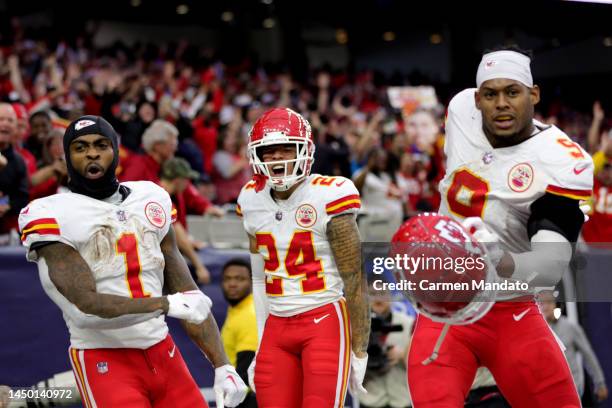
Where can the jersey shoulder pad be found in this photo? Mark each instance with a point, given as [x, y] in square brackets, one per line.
[567, 166]
[462, 102]
[462, 121]
[146, 188]
[246, 196]
[40, 222]
[339, 195]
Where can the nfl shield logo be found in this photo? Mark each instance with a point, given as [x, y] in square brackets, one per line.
[279, 215]
[121, 216]
[103, 367]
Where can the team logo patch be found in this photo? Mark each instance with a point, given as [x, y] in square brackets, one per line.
[490, 64]
[155, 214]
[520, 177]
[102, 367]
[306, 216]
[83, 124]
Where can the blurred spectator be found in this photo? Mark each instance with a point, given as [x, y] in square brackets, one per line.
[385, 377]
[175, 176]
[20, 136]
[599, 226]
[239, 332]
[332, 155]
[205, 134]
[231, 168]
[410, 182]
[380, 195]
[159, 142]
[427, 144]
[13, 172]
[575, 341]
[40, 127]
[52, 172]
[131, 137]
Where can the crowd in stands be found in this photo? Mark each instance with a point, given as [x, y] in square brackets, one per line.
[167, 101]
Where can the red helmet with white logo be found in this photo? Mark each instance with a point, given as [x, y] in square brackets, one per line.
[446, 284]
[282, 126]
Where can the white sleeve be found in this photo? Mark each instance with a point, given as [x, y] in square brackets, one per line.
[547, 261]
[259, 293]
[38, 222]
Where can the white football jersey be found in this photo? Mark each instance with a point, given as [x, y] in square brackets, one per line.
[499, 185]
[121, 245]
[291, 234]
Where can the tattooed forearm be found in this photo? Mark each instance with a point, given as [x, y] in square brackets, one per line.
[178, 279]
[206, 336]
[344, 241]
[73, 279]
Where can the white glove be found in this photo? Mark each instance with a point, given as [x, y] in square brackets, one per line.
[358, 370]
[586, 209]
[489, 239]
[229, 388]
[193, 306]
[251, 374]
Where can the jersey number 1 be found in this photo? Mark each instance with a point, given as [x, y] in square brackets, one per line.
[301, 260]
[127, 245]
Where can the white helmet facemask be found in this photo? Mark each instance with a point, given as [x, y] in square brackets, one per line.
[279, 174]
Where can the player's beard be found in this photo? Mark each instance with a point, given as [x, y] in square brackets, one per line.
[99, 188]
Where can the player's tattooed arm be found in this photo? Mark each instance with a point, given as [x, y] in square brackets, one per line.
[344, 241]
[178, 279]
[74, 280]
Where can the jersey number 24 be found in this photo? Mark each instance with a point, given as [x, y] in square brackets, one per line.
[300, 260]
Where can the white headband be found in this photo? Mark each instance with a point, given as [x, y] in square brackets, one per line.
[504, 64]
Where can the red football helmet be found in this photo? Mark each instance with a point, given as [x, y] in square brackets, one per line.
[282, 126]
[447, 284]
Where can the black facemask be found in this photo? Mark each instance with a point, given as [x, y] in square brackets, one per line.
[106, 185]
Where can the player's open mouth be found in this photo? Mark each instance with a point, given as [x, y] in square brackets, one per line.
[94, 171]
[278, 170]
[504, 121]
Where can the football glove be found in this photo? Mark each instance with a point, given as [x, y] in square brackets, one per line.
[358, 370]
[251, 374]
[193, 306]
[477, 228]
[229, 388]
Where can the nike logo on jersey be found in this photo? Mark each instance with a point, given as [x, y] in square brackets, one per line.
[317, 320]
[520, 316]
[171, 352]
[340, 183]
[579, 169]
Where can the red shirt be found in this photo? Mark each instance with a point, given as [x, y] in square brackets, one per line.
[599, 226]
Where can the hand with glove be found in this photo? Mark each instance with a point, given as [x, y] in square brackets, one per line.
[359, 366]
[477, 228]
[193, 306]
[251, 374]
[229, 388]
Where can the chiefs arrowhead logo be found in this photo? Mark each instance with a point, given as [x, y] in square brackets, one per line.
[83, 124]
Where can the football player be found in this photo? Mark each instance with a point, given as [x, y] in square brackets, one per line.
[105, 251]
[517, 183]
[305, 255]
